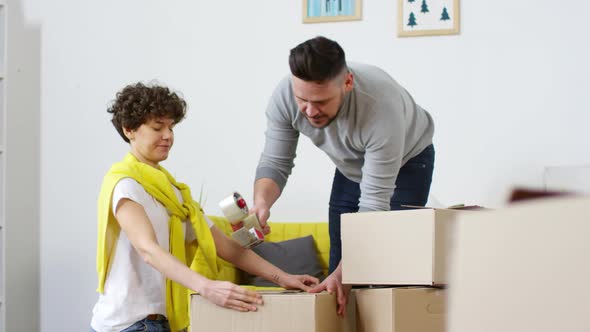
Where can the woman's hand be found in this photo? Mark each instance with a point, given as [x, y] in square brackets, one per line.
[228, 295]
[303, 281]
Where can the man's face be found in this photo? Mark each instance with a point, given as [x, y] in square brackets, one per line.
[320, 102]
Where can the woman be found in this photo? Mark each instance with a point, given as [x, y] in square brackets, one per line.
[150, 229]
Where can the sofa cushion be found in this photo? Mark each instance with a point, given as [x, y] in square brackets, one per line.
[295, 256]
[283, 231]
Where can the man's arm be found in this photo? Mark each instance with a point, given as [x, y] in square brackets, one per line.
[276, 161]
[266, 193]
[384, 152]
[379, 175]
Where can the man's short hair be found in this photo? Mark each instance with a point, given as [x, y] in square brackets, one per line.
[317, 60]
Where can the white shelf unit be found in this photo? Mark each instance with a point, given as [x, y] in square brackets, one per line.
[3, 157]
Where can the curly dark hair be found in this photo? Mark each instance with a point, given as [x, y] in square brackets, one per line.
[317, 60]
[138, 103]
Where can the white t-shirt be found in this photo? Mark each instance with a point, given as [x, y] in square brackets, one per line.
[134, 289]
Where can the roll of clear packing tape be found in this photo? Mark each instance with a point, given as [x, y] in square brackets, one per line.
[234, 208]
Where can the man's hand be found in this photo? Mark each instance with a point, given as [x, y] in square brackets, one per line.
[263, 214]
[228, 295]
[266, 193]
[303, 282]
[333, 284]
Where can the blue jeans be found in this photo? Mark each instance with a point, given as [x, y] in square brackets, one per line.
[411, 188]
[146, 325]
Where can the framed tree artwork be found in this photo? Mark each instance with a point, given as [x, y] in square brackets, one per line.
[428, 17]
[315, 11]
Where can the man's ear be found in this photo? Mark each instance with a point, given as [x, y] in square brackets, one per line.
[348, 82]
[130, 134]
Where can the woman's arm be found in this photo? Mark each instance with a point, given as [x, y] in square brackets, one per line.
[136, 225]
[249, 261]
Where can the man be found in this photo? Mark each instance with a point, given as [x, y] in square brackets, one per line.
[369, 126]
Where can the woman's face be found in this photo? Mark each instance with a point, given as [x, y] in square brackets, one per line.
[152, 141]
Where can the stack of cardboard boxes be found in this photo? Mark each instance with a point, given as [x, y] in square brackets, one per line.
[401, 252]
[520, 268]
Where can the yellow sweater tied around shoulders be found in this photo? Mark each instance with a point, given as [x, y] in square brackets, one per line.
[200, 256]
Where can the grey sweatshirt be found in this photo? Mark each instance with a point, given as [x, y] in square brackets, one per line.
[377, 129]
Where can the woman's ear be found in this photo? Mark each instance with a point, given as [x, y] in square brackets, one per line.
[130, 134]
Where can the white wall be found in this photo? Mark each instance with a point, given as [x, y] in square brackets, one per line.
[23, 123]
[507, 95]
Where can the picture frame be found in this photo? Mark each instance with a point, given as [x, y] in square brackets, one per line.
[318, 11]
[428, 17]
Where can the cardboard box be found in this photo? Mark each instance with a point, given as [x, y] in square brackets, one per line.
[282, 311]
[400, 310]
[522, 268]
[407, 247]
